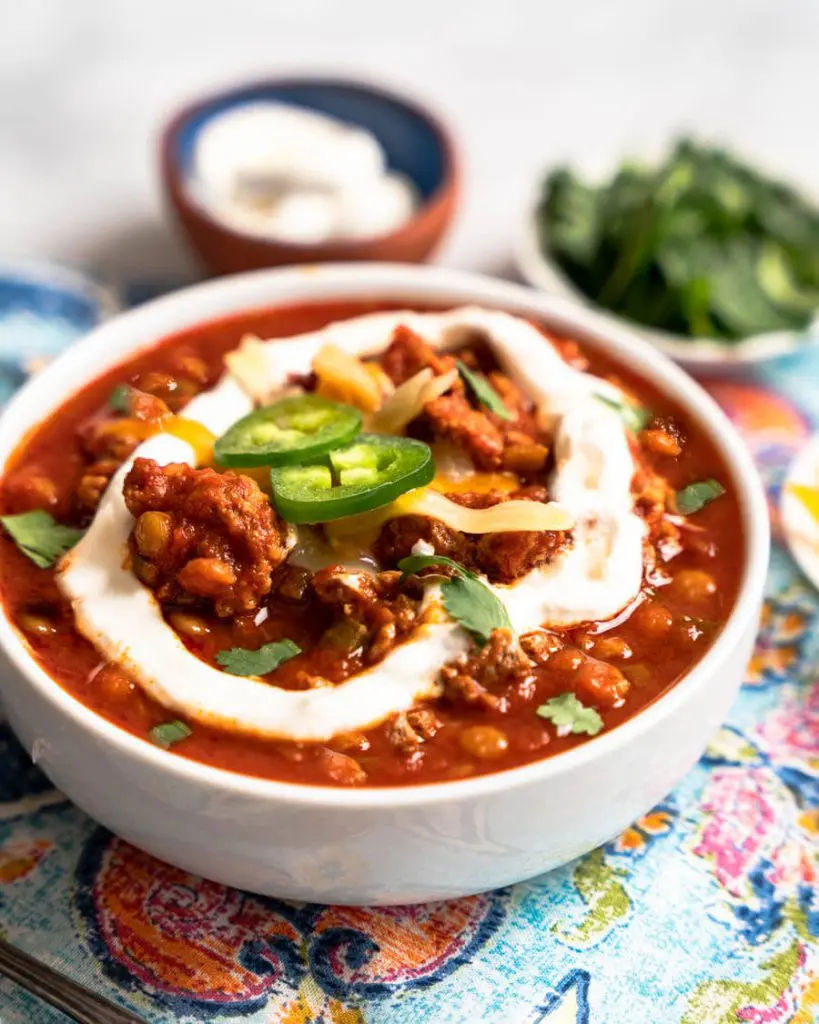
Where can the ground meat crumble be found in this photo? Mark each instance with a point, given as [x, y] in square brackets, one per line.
[502, 557]
[409, 730]
[493, 442]
[372, 610]
[203, 535]
[473, 679]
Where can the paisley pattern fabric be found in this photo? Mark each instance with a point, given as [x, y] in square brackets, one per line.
[705, 911]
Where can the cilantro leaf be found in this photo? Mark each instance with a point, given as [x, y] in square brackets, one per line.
[474, 607]
[120, 398]
[40, 537]
[483, 391]
[635, 417]
[568, 715]
[696, 496]
[239, 661]
[168, 733]
[467, 599]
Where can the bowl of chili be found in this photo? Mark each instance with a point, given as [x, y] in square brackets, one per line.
[601, 721]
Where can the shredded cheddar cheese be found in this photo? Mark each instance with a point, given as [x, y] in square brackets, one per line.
[478, 483]
[510, 516]
[194, 434]
[409, 399]
[248, 364]
[345, 378]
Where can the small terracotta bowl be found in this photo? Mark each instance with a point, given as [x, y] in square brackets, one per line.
[416, 144]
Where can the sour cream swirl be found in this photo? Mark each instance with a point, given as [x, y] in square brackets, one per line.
[593, 580]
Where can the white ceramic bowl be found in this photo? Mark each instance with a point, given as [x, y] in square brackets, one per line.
[377, 846]
[702, 356]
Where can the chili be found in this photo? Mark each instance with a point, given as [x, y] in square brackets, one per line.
[681, 611]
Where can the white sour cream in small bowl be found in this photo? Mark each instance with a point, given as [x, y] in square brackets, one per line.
[296, 175]
[307, 170]
[385, 845]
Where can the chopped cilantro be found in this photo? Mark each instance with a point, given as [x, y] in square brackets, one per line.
[239, 661]
[696, 496]
[483, 391]
[473, 605]
[168, 733]
[40, 537]
[568, 715]
[635, 417]
[120, 398]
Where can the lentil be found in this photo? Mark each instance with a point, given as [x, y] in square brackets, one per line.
[693, 585]
[37, 623]
[189, 625]
[152, 533]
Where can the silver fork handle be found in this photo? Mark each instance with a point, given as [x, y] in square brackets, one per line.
[77, 1001]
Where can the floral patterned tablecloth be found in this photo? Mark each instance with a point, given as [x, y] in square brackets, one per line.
[705, 911]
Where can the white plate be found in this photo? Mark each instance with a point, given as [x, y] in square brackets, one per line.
[801, 529]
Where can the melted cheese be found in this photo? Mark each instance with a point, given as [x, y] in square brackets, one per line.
[477, 483]
[593, 580]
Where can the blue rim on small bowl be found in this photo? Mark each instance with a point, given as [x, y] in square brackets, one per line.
[698, 355]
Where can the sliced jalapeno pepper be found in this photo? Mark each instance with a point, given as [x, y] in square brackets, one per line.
[292, 430]
[371, 472]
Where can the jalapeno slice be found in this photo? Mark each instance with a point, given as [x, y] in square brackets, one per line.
[371, 472]
[292, 430]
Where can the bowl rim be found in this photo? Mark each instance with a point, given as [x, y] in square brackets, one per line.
[544, 273]
[42, 273]
[411, 284]
[182, 195]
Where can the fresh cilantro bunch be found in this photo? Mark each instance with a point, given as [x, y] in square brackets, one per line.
[702, 245]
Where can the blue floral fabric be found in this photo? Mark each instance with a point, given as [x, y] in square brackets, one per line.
[705, 911]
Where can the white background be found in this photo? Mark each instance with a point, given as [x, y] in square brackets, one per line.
[85, 84]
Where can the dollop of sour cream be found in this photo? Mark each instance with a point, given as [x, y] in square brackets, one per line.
[293, 174]
[592, 580]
